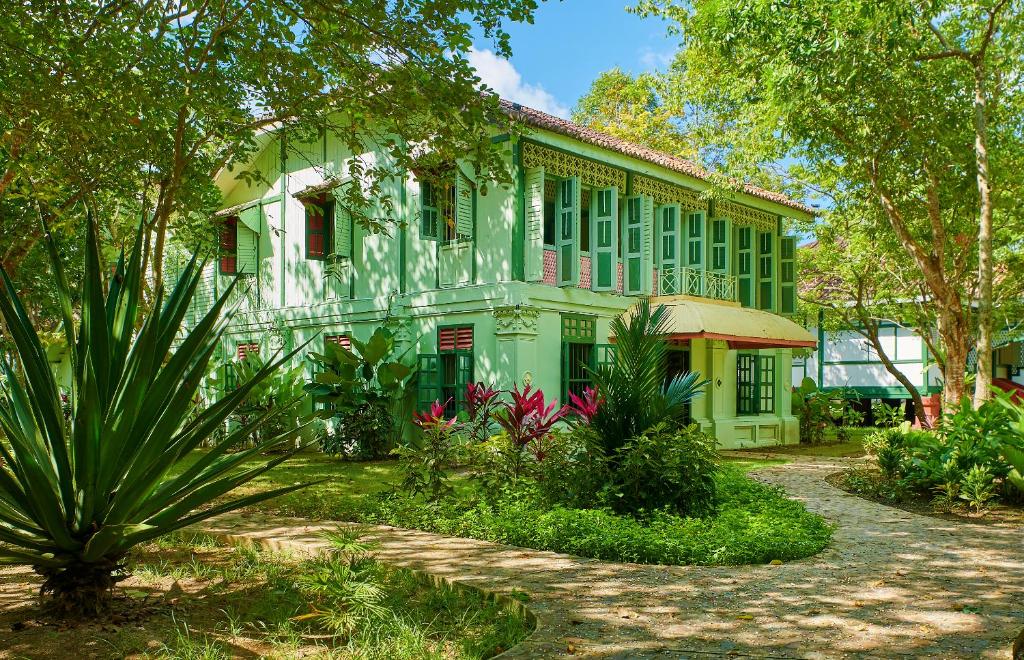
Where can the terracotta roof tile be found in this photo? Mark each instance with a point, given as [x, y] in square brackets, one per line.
[565, 127]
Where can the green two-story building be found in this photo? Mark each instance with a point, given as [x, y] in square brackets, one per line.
[518, 284]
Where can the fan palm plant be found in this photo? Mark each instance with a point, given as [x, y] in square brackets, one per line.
[634, 389]
[77, 491]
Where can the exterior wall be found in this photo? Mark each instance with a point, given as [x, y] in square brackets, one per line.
[417, 284]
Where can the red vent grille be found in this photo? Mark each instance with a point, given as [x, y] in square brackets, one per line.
[341, 340]
[455, 339]
[246, 349]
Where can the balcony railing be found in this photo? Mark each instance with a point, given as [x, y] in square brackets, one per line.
[693, 282]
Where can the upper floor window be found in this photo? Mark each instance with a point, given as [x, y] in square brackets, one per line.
[447, 207]
[319, 226]
[228, 253]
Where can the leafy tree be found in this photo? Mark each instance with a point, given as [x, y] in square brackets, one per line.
[870, 99]
[79, 489]
[147, 101]
[633, 108]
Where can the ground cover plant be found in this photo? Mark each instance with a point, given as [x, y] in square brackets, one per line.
[83, 481]
[206, 600]
[967, 464]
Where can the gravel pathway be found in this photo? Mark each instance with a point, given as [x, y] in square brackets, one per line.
[891, 584]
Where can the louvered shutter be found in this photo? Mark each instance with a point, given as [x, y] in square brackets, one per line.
[745, 265]
[463, 206]
[787, 275]
[567, 234]
[428, 381]
[430, 215]
[455, 339]
[247, 250]
[766, 270]
[342, 232]
[668, 249]
[695, 240]
[604, 214]
[720, 230]
[632, 246]
[345, 341]
[647, 245]
[534, 246]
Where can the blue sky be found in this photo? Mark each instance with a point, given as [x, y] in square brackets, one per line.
[569, 44]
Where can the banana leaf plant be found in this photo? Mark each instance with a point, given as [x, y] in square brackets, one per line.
[77, 493]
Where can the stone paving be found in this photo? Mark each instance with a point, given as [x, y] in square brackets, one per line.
[891, 584]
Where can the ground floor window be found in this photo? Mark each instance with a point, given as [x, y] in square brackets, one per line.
[581, 354]
[755, 384]
[443, 376]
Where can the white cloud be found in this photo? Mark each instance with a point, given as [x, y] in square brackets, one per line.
[656, 59]
[499, 74]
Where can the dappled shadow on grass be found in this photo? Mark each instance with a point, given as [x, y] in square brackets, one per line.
[891, 583]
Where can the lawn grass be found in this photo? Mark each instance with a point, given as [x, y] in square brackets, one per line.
[340, 604]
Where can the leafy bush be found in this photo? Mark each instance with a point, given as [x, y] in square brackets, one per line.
[424, 464]
[633, 389]
[355, 386]
[527, 421]
[665, 468]
[978, 487]
[283, 390]
[573, 471]
[363, 432]
[755, 523]
[886, 416]
[79, 493]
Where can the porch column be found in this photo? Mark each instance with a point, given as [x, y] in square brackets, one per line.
[515, 328]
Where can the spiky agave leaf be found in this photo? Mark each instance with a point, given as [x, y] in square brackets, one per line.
[81, 492]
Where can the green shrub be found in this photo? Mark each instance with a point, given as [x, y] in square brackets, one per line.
[977, 487]
[425, 462]
[754, 524]
[665, 468]
[890, 459]
[364, 432]
[572, 471]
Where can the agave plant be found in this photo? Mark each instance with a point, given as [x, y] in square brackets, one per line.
[77, 493]
[634, 389]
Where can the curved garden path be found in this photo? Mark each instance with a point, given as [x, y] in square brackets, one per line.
[891, 584]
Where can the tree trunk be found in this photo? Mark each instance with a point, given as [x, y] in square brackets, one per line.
[871, 332]
[983, 382]
[955, 335]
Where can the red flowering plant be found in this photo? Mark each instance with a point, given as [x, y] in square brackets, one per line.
[481, 403]
[424, 463]
[527, 421]
[585, 407]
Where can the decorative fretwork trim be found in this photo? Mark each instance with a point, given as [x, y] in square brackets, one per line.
[560, 163]
[668, 193]
[744, 215]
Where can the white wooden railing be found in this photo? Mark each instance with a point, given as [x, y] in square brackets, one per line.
[693, 282]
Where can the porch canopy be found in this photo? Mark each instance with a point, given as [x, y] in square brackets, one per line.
[741, 327]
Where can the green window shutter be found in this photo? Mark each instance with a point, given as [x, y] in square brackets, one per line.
[252, 218]
[534, 199]
[463, 376]
[746, 379]
[787, 275]
[428, 380]
[463, 206]
[567, 235]
[720, 233]
[342, 233]
[745, 265]
[695, 222]
[632, 246]
[605, 356]
[430, 213]
[604, 212]
[647, 243]
[766, 384]
[247, 250]
[765, 270]
[668, 249]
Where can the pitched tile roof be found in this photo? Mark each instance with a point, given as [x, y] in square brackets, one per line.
[543, 120]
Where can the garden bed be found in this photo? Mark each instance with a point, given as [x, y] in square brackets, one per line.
[871, 484]
[191, 598]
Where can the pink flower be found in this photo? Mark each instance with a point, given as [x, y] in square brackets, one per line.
[527, 418]
[479, 398]
[586, 406]
[434, 418]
